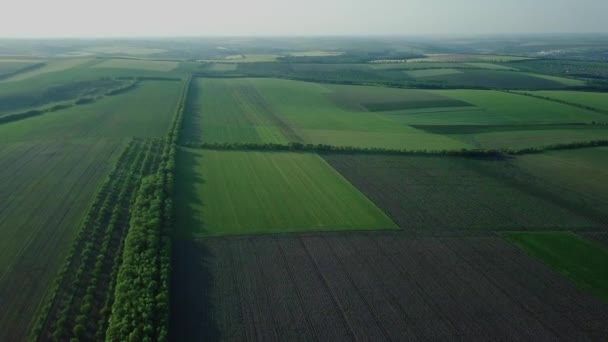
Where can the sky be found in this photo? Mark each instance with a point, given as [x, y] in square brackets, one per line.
[137, 18]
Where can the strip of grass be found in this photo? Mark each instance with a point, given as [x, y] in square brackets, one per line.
[582, 261]
[234, 193]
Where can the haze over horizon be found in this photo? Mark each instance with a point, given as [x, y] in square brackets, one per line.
[114, 18]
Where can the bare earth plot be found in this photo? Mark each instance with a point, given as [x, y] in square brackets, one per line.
[374, 286]
[51, 185]
[444, 193]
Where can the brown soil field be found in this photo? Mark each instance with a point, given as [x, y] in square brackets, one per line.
[374, 286]
[452, 193]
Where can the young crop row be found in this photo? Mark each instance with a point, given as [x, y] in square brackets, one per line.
[141, 308]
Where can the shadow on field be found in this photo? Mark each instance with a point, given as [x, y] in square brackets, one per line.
[188, 203]
[191, 290]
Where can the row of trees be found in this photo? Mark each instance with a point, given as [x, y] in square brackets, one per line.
[141, 308]
[323, 148]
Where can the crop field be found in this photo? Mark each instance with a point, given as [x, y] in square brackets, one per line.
[272, 110]
[117, 116]
[443, 193]
[580, 175]
[234, 193]
[450, 58]
[519, 136]
[279, 189]
[374, 286]
[138, 64]
[499, 108]
[51, 185]
[498, 79]
[563, 80]
[569, 254]
[432, 72]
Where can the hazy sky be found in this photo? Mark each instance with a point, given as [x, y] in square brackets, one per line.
[79, 18]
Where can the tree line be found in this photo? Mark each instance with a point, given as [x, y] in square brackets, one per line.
[324, 148]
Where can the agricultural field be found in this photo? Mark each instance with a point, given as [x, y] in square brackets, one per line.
[498, 108]
[275, 111]
[580, 175]
[519, 136]
[374, 286]
[236, 193]
[278, 188]
[451, 58]
[458, 194]
[52, 183]
[432, 72]
[138, 64]
[569, 254]
[117, 116]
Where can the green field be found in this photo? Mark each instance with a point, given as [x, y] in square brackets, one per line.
[145, 111]
[51, 186]
[580, 260]
[273, 110]
[233, 193]
[138, 64]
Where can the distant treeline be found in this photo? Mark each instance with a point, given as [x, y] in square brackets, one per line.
[121, 89]
[573, 104]
[22, 70]
[323, 148]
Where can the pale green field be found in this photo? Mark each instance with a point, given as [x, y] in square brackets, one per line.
[138, 64]
[233, 193]
[432, 72]
[595, 100]
[563, 80]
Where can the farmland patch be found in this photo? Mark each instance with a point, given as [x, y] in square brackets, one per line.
[432, 72]
[447, 193]
[373, 286]
[232, 193]
[569, 254]
[138, 64]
